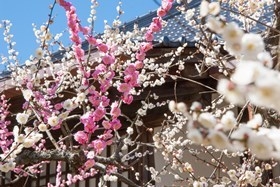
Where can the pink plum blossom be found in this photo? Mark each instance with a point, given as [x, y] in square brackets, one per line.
[124, 87]
[81, 137]
[115, 110]
[98, 145]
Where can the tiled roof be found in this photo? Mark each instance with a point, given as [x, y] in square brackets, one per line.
[175, 33]
[178, 31]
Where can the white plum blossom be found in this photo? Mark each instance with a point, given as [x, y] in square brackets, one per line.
[200, 184]
[53, 121]
[4, 168]
[177, 107]
[129, 130]
[234, 48]
[233, 93]
[110, 178]
[181, 107]
[10, 165]
[219, 140]
[39, 53]
[204, 8]
[215, 25]
[232, 33]
[42, 127]
[252, 44]
[68, 104]
[247, 72]
[20, 138]
[273, 135]
[241, 133]
[266, 92]
[17, 137]
[196, 106]
[231, 172]
[207, 120]
[29, 139]
[27, 143]
[212, 8]
[189, 14]
[195, 135]
[27, 94]
[172, 106]
[261, 146]
[265, 58]
[80, 97]
[22, 118]
[228, 121]
[256, 122]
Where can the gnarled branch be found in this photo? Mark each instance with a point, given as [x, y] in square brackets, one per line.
[75, 158]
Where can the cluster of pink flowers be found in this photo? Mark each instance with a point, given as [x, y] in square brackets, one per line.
[5, 141]
[156, 24]
[103, 73]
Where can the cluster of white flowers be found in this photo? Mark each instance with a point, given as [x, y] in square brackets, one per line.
[108, 177]
[246, 177]
[212, 8]
[8, 166]
[29, 139]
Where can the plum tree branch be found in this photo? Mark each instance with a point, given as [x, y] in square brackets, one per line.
[74, 158]
[125, 180]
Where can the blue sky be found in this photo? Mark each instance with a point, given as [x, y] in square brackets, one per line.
[22, 13]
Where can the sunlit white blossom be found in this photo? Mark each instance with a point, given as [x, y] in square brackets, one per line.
[129, 130]
[214, 8]
[172, 106]
[219, 140]
[241, 133]
[204, 8]
[215, 25]
[260, 146]
[39, 53]
[265, 58]
[53, 121]
[27, 94]
[247, 72]
[68, 104]
[207, 120]
[80, 97]
[4, 168]
[195, 136]
[252, 44]
[232, 92]
[42, 127]
[22, 118]
[266, 92]
[189, 14]
[273, 135]
[232, 33]
[181, 107]
[256, 122]
[228, 121]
